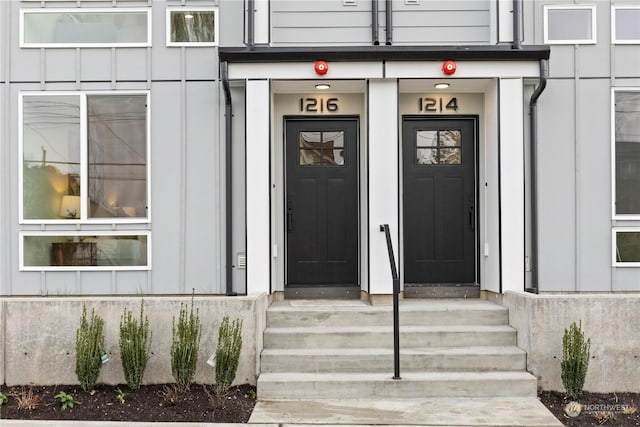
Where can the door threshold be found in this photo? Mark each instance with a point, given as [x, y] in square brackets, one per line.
[441, 290]
[322, 292]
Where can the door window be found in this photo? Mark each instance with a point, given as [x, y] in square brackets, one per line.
[438, 147]
[321, 148]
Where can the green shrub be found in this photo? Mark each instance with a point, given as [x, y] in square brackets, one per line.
[228, 352]
[575, 360]
[89, 349]
[66, 400]
[135, 343]
[184, 346]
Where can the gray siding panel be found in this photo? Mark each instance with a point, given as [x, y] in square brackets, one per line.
[594, 208]
[131, 64]
[202, 64]
[95, 64]
[320, 36]
[60, 65]
[203, 240]
[626, 60]
[440, 35]
[556, 163]
[231, 13]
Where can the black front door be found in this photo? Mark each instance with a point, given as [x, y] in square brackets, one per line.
[322, 201]
[439, 200]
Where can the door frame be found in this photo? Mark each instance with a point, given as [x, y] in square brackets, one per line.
[323, 291]
[444, 290]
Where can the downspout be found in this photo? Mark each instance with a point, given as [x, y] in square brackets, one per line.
[224, 75]
[516, 24]
[374, 23]
[533, 139]
[250, 23]
[389, 15]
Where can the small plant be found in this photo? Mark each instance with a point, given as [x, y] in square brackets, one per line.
[184, 346]
[121, 396]
[170, 394]
[89, 345]
[135, 344]
[252, 394]
[228, 353]
[27, 401]
[575, 360]
[3, 398]
[66, 400]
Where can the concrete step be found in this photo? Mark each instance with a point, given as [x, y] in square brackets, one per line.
[382, 336]
[487, 412]
[276, 386]
[357, 313]
[318, 360]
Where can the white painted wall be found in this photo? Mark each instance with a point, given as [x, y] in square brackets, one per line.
[512, 184]
[257, 143]
[383, 179]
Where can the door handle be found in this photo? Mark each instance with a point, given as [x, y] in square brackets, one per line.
[289, 220]
[472, 218]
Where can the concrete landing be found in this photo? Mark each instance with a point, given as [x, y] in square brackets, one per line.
[511, 412]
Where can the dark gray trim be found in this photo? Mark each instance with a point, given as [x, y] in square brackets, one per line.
[517, 12]
[389, 22]
[384, 53]
[412, 290]
[322, 292]
[533, 142]
[224, 74]
[250, 23]
[374, 23]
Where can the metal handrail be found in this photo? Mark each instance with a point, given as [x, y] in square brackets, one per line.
[396, 312]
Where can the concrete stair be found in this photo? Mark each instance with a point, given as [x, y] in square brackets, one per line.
[336, 350]
[342, 351]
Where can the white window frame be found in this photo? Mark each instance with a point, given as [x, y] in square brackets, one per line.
[570, 7]
[614, 245]
[24, 234]
[192, 44]
[613, 25]
[23, 44]
[84, 167]
[614, 214]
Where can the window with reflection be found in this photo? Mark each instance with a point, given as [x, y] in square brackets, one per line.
[627, 247]
[439, 147]
[192, 27]
[321, 148]
[85, 27]
[627, 152]
[85, 156]
[93, 252]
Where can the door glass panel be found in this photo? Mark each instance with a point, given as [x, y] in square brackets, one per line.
[439, 147]
[321, 148]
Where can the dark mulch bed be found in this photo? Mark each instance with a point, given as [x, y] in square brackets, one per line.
[149, 403]
[597, 409]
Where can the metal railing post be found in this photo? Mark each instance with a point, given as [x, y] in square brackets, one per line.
[396, 311]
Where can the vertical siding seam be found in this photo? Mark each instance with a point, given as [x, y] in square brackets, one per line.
[6, 260]
[78, 68]
[612, 83]
[183, 169]
[113, 68]
[576, 141]
[43, 69]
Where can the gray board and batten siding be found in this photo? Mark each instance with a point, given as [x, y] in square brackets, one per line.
[186, 161]
[318, 23]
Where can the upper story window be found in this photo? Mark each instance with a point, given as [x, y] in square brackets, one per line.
[85, 27]
[84, 157]
[572, 24]
[192, 27]
[625, 24]
[626, 153]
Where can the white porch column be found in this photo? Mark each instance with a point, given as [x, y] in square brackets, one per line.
[512, 184]
[257, 154]
[383, 180]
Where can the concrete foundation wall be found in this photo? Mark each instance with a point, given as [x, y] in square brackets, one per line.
[37, 336]
[610, 320]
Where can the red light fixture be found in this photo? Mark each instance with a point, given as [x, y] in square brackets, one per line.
[321, 67]
[449, 67]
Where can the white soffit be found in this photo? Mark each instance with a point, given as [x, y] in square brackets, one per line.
[465, 69]
[304, 70]
[309, 86]
[455, 85]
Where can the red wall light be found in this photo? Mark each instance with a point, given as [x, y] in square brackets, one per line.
[449, 67]
[321, 67]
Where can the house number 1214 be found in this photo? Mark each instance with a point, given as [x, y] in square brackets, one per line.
[437, 105]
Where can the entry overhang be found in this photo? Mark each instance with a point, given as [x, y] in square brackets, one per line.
[384, 53]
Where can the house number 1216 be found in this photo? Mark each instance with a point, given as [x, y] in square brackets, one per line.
[318, 105]
[437, 105]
